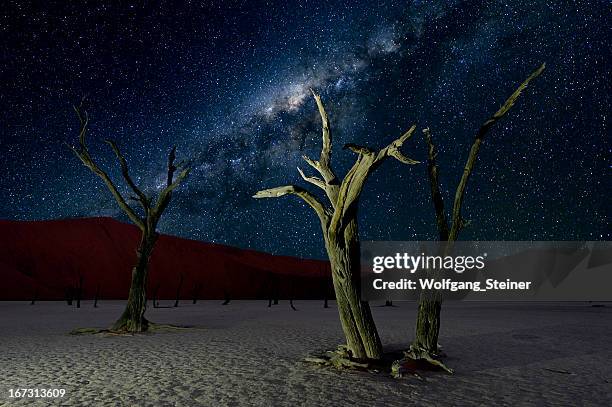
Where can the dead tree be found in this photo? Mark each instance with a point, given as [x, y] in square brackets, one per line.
[79, 291]
[425, 344]
[155, 302]
[69, 295]
[97, 296]
[196, 292]
[339, 225]
[226, 298]
[132, 319]
[35, 297]
[178, 291]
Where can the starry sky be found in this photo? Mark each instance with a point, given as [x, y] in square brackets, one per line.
[227, 82]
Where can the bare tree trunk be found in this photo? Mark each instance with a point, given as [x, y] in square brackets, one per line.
[178, 291]
[35, 297]
[69, 295]
[132, 319]
[155, 302]
[355, 315]
[196, 292]
[97, 296]
[227, 298]
[79, 292]
[427, 327]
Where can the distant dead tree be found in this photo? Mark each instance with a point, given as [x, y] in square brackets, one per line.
[324, 287]
[35, 297]
[155, 292]
[196, 292]
[132, 319]
[339, 225]
[425, 344]
[227, 298]
[79, 290]
[97, 296]
[178, 290]
[69, 295]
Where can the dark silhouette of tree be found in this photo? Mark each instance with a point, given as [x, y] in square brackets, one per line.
[79, 290]
[97, 296]
[133, 319]
[178, 290]
[339, 225]
[196, 292]
[425, 344]
[69, 295]
[155, 292]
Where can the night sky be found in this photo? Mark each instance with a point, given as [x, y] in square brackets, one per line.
[227, 82]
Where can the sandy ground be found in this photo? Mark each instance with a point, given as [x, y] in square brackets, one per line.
[247, 354]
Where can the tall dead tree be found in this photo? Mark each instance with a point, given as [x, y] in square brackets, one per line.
[339, 225]
[132, 319]
[425, 344]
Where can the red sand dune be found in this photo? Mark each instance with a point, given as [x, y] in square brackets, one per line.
[43, 259]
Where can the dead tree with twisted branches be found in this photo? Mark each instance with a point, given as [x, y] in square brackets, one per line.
[133, 319]
[425, 344]
[339, 225]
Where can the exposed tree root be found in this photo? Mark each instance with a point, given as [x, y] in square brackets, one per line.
[151, 328]
[340, 358]
[394, 364]
[420, 356]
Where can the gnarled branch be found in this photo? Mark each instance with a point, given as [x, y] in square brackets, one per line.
[393, 149]
[144, 202]
[171, 166]
[309, 198]
[83, 154]
[457, 221]
[323, 165]
[366, 163]
[164, 196]
[434, 184]
[313, 180]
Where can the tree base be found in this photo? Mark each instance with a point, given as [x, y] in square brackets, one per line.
[151, 328]
[397, 364]
[423, 357]
[341, 359]
[130, 326]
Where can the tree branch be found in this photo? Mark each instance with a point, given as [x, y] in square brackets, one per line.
[325, 158]
[164, 197]
[434, 184]
[313, 180]
[171, 166]
[83, 155]
[125, 172]
[361, 150]
[309, 198]
[323, 166]
[366, 163]
[509, 102]
[457, 221]
[393, 149]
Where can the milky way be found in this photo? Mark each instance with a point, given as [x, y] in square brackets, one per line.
[229, 85]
